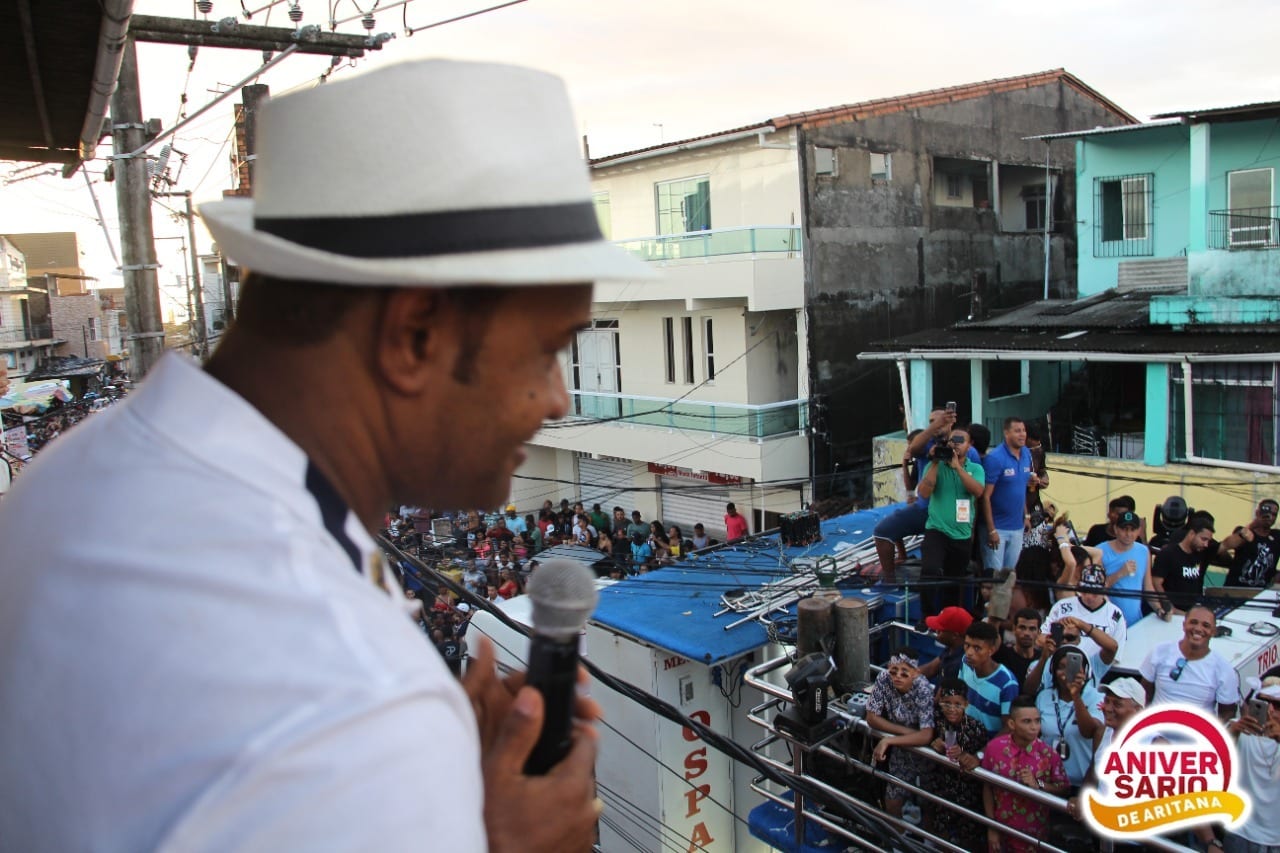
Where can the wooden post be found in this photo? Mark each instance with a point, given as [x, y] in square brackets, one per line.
[853, 644]
[814, 623]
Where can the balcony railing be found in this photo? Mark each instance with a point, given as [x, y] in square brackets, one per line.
[1245, 228]
[715, 243]
[34, 332]
[774, 419]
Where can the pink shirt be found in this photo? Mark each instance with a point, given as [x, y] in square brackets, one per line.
[735, 526]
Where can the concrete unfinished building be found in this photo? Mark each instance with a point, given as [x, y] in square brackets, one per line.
[920, 211]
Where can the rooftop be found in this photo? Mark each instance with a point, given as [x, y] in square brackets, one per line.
[1110, 325]
[882, 106]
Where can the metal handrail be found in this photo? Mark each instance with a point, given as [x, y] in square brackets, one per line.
[1245, 228]
[754, 677]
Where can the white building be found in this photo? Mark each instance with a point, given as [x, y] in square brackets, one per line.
[691, 391]
[26, 333]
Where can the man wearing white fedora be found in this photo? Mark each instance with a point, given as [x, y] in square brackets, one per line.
[263, 688]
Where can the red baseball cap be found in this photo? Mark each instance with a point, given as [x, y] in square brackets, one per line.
[954, 619]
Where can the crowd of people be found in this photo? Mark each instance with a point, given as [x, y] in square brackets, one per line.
[1021, 687]
[493, 554]
[1022, 692]
[1039, 711]
[982, 513]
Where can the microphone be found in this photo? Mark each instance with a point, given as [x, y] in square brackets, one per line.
[564, 595]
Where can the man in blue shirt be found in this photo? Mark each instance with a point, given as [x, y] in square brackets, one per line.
[1008, 470]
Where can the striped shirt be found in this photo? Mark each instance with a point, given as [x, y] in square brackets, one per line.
[990, 697]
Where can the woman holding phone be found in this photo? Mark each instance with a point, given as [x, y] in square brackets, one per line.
[1069, 712]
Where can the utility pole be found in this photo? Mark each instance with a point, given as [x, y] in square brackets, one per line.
[133, 196]
[196, 294]
[137, 243]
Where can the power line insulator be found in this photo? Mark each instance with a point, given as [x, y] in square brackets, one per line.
[368, 22]
[204, 7]
[295, 13]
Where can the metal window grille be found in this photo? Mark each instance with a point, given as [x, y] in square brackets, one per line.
[1123, 216]
[1235, 413]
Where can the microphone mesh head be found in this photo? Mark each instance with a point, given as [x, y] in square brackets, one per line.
[564, 595]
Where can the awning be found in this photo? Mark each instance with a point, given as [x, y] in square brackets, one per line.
[66, 367]
[34, 394]
[1107, 327]
[59, 60]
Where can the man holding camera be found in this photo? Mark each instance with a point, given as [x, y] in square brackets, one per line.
[953, 484]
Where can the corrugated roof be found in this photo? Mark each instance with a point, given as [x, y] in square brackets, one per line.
[1240, 112]
[1148, 341]
[1122, 128]
[680, 143]
[886, 106]
[1108, 322]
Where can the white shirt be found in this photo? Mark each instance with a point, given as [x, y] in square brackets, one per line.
[1259, 768]
[1204, 683]
[190, 658]
[1108, 617]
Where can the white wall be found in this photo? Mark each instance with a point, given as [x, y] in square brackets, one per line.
[750, 185]
[13, 265]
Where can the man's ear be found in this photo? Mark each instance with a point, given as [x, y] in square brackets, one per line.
[412, 339]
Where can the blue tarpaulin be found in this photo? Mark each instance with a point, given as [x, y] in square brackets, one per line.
[674, 608]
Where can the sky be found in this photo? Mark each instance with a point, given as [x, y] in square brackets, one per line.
[643, 73]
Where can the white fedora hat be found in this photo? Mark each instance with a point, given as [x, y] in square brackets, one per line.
[422, 173]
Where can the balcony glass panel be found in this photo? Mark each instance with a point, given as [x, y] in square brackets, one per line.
[707, 244]
[775, 419]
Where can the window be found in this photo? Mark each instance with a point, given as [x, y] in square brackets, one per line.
[669, 346]
[687, 328]
[824, 162]
[708, 350]
[955, 187]
[1033, 199]
[603, 216]
[683, 205]
[1249, 200]
[93, 328]
[1123, 216]
[11, 360]
[1008, 378]
[1233, 412]
[881, 167]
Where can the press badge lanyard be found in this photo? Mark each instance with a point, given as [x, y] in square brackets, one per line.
[1057, 713]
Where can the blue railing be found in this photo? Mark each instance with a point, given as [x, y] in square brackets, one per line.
[767, 421]
[716, 243]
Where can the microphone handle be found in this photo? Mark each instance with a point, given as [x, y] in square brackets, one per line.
[553, 671]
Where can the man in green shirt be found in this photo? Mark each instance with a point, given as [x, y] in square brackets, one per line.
[953, 485]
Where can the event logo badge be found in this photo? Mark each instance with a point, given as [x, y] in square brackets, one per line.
[1172, 767]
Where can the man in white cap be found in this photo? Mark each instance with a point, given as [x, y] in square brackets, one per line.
[1122, 699]
[264, 688]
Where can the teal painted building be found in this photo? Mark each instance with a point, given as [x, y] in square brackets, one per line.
[1170, 352]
